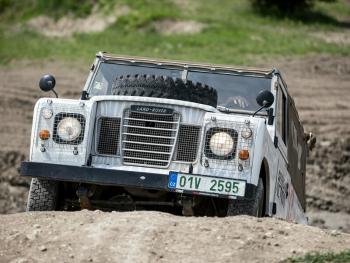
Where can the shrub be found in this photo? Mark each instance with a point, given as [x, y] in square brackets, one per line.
[284, 7]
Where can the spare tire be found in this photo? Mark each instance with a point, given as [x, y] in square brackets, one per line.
[164, 87]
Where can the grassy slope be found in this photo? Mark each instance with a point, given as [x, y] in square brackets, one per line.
[234, 35]
[342, 257]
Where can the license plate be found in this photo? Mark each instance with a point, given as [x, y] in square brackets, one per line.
[204, 184]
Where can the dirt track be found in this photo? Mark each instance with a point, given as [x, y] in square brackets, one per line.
[156, 237]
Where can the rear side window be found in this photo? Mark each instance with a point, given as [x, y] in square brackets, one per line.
[282, 115]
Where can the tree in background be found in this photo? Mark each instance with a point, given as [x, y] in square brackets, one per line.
[285, 7]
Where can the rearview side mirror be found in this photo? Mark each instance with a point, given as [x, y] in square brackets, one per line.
[47, 83]
[265, 98]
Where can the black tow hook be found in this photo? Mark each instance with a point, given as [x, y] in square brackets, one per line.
[83, 195]
[187, 206]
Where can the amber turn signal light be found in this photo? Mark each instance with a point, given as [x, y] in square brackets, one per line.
[243, 155]
[44, 135]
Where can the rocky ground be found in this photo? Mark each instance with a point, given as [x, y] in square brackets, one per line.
[156, 237]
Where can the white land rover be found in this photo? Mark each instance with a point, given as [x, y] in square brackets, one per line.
[191, 139]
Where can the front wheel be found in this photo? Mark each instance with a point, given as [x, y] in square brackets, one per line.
[42, 195]
[252, 207]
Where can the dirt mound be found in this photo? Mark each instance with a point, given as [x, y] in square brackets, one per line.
[156, 237]
[330, 165]
[169, 27]
[68, 25]
[339, 38]
[13, 188]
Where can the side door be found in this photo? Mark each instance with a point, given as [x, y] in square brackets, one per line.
[281, 137]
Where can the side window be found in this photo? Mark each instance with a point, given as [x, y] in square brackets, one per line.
[282, 115]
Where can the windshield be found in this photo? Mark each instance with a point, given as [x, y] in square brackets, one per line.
[234, 91]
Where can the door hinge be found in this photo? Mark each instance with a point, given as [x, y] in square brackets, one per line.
[275, 141]
[274, 208]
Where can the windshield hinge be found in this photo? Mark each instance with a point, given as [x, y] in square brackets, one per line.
[184, 75]
[84, 95]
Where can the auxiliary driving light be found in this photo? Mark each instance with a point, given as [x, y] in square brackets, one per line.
[44, 135]
[246, 132]
[47, 113]
[243, 155]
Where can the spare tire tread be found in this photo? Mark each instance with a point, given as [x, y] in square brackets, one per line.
[164, 87]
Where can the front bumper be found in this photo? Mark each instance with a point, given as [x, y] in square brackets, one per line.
[100, 176]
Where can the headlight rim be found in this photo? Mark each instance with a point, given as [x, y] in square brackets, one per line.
[210, 132]
[58, 118]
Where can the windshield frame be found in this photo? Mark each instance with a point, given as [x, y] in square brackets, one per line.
[184, 69]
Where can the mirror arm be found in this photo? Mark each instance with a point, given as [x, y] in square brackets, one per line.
[55, 93]
[263, 106]
[258, 110]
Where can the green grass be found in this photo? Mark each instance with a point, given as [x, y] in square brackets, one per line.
[234, 33]
[342, 257]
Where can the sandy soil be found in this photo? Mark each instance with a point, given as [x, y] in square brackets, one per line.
[68, 25]
[170, 27]
[156, 237]
[320, 86]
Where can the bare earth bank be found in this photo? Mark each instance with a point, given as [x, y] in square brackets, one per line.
[87, 236]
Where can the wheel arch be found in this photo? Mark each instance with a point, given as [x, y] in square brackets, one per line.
[265, 176]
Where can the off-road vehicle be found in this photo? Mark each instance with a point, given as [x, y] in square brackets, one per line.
[189, 138]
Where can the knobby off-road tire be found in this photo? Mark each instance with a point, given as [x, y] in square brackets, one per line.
[42, 195]
[164, 87]
[252, 207]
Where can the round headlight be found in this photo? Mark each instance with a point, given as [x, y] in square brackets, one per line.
[69, 129]
[246, 132]
[221, 143]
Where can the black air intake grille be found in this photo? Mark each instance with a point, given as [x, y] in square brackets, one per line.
[188, 142]
[108, 139]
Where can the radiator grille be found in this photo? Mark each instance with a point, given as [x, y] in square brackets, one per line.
[149, 139]
[188, 142]
[108, 139]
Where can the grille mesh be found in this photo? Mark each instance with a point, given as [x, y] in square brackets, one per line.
[108, 140]
[148, 139]
[188, 141]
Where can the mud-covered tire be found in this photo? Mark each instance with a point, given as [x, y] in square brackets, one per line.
[252, 207]
[42, 195]
[164, 87]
